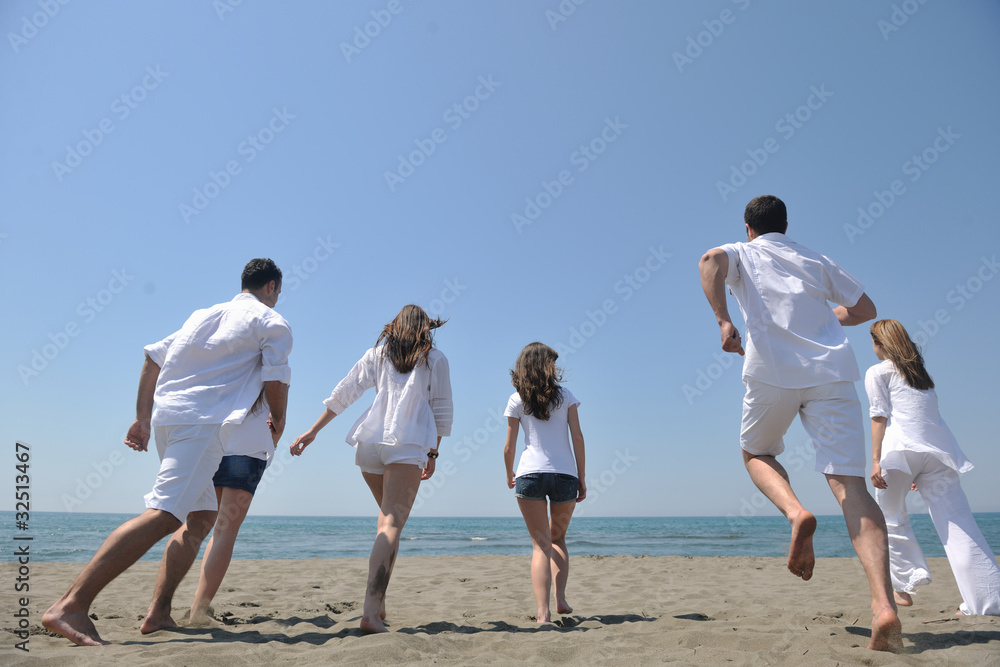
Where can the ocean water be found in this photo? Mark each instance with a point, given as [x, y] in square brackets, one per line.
[75, 537]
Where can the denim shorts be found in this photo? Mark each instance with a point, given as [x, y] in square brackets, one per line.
[240, 472]
[558, 487]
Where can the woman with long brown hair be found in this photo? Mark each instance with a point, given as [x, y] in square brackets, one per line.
[550, 468]
[912, 447]
[397, 438]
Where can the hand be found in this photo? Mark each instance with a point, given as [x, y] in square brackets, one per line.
[510, 480]
[277, 427]
[877, 480]
[301, 442]
[138, 435]
[581, 490]
[731, 341]
[429, 470]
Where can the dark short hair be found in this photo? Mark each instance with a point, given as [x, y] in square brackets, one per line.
[258, 273]
[766, 214]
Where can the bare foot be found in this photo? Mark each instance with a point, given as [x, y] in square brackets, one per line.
[371, 627]
[801, 559]
[199, 618]
[75, 626]
[544, 618]
[902, 599]
[381, 610]
[887, 632]
[562, 607]
[156, 621]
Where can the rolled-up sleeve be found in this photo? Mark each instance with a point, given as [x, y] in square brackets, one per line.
[845, 289]
[275, 346]
[734, 273]
[440, 401]
[878, 394]
[358, 381]
[157, 352]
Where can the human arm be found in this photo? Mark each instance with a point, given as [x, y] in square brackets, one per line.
[138, 433]
[431, 462]
[573, 418]
[861, 312]
[301, 442]
[276, 395]
[714, 267]
[880, 408]
[878, 434]
[509, 447]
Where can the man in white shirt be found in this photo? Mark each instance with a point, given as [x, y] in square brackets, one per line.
[207, 374]
[798, 361]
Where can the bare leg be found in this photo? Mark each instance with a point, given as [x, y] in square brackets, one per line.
[375, 486]
[561, 515]
[536, 518]
[772, 480]
[178, 556]
[400, 484]
[233, 506]
[69, 615]
[866, 526]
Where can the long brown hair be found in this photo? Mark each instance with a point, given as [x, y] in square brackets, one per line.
[408, 338]
[903, 352]
[536, 378]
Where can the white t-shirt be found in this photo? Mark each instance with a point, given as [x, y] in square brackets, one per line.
[793, 338]
[547, 445]
[410, 408]
[212, 370]
[914, 422]
[251, 437]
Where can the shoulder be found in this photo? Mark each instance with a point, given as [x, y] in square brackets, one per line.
[568, 398]
[515, 407]
[436, 359]
[883, 370]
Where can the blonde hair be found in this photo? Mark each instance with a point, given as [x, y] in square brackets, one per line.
[903, 352]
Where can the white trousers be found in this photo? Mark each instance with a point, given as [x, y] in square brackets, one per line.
[972, 562]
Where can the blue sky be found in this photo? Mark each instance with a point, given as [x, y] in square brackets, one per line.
[530, 170]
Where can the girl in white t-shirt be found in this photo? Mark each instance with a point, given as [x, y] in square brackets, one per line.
[912, 447]
[397, 438]
[550, 467]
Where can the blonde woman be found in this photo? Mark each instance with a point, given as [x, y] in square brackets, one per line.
[912, 448]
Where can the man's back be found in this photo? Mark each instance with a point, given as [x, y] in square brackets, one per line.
[793, 337]
[212, 369]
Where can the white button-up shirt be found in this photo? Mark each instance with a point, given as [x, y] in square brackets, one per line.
[212, 370]
[793, 338]
[410, 408]
[914, 422]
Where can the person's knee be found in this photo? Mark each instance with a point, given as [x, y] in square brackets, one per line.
[165, 521]
[200, 523]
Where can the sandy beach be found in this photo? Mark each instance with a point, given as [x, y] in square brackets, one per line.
[459, 610]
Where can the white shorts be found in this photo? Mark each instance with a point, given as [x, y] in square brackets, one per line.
[189, 457]
[374, 457]
[830, 414]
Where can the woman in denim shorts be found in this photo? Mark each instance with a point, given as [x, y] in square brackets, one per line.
[235, 482]
[551, 468]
